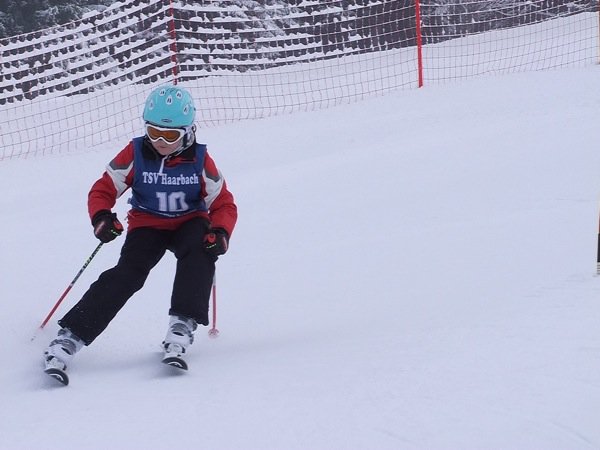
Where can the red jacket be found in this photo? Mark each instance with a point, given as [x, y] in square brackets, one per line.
[119, 177]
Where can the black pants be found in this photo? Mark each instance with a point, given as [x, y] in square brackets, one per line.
[142, 250]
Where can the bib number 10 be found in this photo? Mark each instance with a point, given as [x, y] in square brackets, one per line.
[172, 201]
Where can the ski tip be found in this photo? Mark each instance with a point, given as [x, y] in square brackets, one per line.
[58, 375]
[175, 362]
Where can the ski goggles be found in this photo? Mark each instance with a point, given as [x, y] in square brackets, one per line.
[169, 135]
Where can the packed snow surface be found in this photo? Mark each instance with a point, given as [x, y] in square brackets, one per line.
[408, 272]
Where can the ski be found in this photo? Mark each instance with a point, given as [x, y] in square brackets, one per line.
[58, 375]
[175, 361]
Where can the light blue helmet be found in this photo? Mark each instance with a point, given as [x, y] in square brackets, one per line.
[170, 106]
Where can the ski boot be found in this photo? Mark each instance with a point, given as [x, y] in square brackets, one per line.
[59, 353]
[180, 335]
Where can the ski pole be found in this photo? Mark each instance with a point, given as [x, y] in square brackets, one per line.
[598, 258]
[213, 332]
[64, 294]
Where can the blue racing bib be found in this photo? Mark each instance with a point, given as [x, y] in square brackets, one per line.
[164, 189]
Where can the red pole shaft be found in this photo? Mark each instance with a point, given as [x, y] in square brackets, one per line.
[419, 41]
[173, 44]
[214, 309]
[598, 257]
[70, 286]
[213, 332]
[53, 310]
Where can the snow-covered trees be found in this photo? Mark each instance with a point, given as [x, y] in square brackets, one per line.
[23, 16]
[448, 19]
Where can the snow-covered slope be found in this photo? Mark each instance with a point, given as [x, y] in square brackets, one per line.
[414, 271]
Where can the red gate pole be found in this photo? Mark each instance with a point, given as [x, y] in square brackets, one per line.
[173, 44]
[419, 41]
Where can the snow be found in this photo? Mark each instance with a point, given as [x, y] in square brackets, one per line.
[411, 271]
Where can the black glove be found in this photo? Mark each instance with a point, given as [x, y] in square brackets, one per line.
[216, 242]
[106, 226]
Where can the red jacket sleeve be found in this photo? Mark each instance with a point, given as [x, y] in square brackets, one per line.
[222, 209]
[114, 181]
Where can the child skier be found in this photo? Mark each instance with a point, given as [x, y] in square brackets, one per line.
[180, 202]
